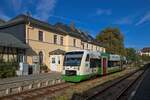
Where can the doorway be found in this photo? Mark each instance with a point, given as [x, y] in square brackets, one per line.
[104, 64]
[54, 62]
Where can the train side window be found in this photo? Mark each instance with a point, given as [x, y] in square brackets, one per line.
[92, 63]
[95, 63]
[98, 63]
[110, 64]
[87, 57]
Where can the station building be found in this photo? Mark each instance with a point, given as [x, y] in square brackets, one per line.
[145, 51]
[48, 42]
[11, 48]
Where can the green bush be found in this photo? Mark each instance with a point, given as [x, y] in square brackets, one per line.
[44, 68]
[145, 58]
[8, 69]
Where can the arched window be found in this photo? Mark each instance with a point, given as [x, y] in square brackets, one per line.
[40, 57]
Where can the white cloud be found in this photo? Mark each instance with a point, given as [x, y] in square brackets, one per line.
[123, 21]
[145, 18]
[17, 4]
[67, 19]
[131, 45]
[4, 16]
[103, 12]
[44, 9]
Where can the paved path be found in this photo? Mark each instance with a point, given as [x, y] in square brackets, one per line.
[29, 82]
[50, 75]
[143, 91]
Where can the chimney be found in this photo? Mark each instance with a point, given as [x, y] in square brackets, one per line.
[72, 25]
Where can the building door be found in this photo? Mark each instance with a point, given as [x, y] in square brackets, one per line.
[104, 66]
[30, 70]
[55, 61]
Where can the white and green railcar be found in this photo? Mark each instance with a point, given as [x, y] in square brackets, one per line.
[83, 64]
[114, 63]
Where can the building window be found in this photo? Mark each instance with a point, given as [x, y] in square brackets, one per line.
[53, 60]
[83, 45]
[87, 46]
[74, 42]
[55, 39]
[92, 47]
[40, 36]
[61, 40]
[58, 60]
[20, 58]
[40, 57]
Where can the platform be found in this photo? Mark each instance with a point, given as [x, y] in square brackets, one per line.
[50, 75]
[143, 90]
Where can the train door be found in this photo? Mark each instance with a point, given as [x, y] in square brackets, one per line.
[104, 66]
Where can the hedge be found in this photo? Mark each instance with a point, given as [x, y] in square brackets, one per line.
[8, 69]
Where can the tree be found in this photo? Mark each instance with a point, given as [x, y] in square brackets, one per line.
[145, 58]
[112, 39]
[131, 54]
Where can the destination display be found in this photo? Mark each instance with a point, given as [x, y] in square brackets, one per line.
[114, 57]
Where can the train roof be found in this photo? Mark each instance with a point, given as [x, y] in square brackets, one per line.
[97, 54]
[87, 51]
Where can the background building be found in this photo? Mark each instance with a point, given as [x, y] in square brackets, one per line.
[48, 42]
[145, 51]
[11, 49]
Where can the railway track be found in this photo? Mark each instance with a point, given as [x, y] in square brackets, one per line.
[28, 95]
[50, 91]
[129, 92]
[112, 90]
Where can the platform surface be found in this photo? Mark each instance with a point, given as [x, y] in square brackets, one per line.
[49, 76]
[143, 91]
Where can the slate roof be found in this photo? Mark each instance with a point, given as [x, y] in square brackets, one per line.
[57, 52]
[2, 21]
[58, 28]
[8, 40]
[67, 30]
[84, 36]
[146, 49]
[24, 19]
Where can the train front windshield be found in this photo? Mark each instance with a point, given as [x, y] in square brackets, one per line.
[73, 58]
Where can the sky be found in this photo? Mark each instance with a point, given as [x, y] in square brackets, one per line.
[131, 16]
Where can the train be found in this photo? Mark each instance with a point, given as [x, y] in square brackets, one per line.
[81, 65]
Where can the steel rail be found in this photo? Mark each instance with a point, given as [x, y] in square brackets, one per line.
[112, 85]
[49, 89]
[130, 85]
